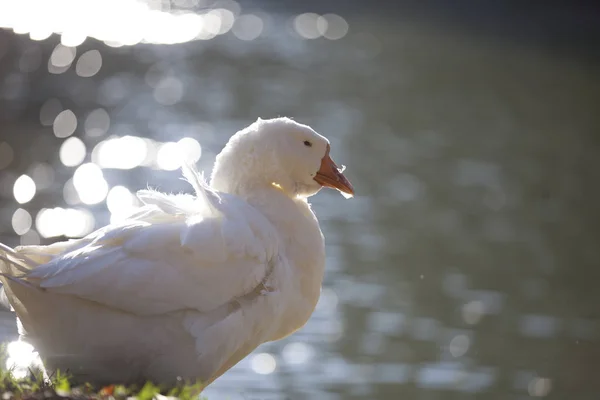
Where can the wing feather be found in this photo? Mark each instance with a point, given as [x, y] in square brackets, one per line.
[172, 255]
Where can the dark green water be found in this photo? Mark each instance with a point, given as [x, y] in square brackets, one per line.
[466, 267]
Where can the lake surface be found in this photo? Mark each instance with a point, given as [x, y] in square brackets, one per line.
[467, 266]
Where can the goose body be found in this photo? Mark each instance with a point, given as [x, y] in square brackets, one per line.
[190, 284]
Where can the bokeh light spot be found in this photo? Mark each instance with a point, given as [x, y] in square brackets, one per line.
[70, 193]
[168, 91]
[78, 223]
[297, 353]
[306, 25]
[72, 38]
[332, 26]
[459, 345]
[97, 123]
[226, 20]
[89, 64]
[65, 124]
[40, 34]
[263, 363]
[121, 152]
[72, 152]
[90, 184]
[473, 311]
[62, 56]
[169, 156]
[121, 203]
[248, 27]
[190, 149]
[24, 189]
[53, 222]
[21, 221]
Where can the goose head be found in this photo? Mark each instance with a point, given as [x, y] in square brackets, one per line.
[278, 152]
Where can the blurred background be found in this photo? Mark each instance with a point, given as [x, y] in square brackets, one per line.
[466, 267]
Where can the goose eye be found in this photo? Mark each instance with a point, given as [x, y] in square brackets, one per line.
[307, 143]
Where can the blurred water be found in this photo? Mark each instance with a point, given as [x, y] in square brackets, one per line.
[467, 265]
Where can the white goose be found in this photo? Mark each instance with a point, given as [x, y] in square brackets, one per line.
[188, 285]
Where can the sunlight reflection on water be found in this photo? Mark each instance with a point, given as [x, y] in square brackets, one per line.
[133, 22]
[415, 286]
[88, 184]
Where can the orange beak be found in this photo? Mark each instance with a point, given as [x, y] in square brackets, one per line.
[331, 176]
